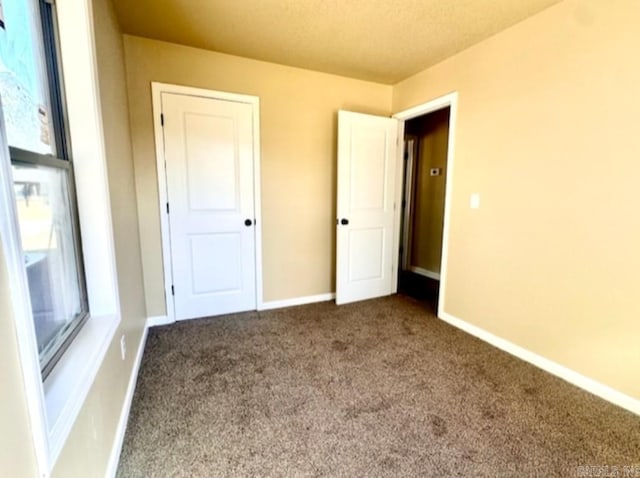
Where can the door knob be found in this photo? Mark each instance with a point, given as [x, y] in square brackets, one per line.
[248, 222]
[344, 221]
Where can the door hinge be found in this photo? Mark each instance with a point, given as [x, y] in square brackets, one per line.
[161, 119]
[167, 208]
[173, 291]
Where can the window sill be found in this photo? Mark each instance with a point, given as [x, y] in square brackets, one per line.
[68, 384]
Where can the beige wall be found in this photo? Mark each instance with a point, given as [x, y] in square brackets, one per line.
[298, 143]
[87, 450]
[17, 455]
[427, 205]
[547, 134]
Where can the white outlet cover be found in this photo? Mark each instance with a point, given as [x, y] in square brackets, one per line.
[123, 347]
[474, 201]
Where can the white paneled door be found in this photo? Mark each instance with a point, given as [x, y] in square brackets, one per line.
[366, 189]
[208, 146]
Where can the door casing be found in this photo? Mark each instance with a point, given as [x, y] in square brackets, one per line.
[449, 100]
[157, 89]
[410, 150]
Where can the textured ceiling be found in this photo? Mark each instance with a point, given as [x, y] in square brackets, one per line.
[377, 40]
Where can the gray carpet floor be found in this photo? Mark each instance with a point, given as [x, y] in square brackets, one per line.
[378, 388]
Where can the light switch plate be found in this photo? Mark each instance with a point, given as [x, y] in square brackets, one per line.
[474, 201]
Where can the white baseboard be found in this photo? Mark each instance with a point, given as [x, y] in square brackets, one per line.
[309, 299]
[159, 320]
[603, 391]
[425, 272]
[114, 458]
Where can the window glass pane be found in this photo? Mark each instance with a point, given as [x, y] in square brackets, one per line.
[23, 78]
[46, 231]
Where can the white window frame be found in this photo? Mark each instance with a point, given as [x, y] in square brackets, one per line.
[54, 405]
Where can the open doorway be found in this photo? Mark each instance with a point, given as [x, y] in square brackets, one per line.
[426, 144]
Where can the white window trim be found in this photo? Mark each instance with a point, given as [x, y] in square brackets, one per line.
[53, 406]
[21, 304]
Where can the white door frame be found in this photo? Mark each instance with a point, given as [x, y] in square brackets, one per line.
[449, 100]
[410, 147]
[156, 91]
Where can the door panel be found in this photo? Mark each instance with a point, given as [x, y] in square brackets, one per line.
[366, 170]
[211, 163]
[368, 262]
[224, 250]
[209, 167]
